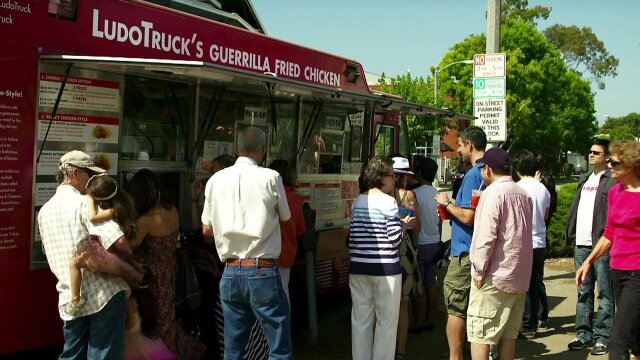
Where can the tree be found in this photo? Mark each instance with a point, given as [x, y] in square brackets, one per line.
[519, 10]
[417, 90]
[622, 128]
[550, 108]
[583, 52]
[580, 47]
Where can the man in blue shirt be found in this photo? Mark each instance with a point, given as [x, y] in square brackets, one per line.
[472, 142]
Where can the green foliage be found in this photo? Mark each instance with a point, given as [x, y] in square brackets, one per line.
[623, 128]
[518, 10]
[557, 227]
[583, 51]
[417, 90]
[549, 107]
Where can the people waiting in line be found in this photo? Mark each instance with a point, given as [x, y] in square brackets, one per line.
[501, 260]
[243, 207]
[621, 243]
[105, 202]
[96, 331]
[428, 237]
[546, 178]
[472, 142]
[292, 229]
[526, 167]
[158, 227]
[411, 284]
[213, 332]
[586, 221]
[375, 273]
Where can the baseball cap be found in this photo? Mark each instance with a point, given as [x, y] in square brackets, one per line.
[497, 158]
[78, 159]
[401, 165]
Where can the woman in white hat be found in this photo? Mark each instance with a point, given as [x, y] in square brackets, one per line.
[411, 285]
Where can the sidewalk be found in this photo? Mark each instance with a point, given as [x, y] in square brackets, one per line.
[550, 343]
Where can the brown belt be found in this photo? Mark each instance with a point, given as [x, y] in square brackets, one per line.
[253, 262]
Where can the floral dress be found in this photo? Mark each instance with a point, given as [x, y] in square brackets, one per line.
[159, 253]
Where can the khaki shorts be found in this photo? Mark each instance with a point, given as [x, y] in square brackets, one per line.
[456, 287]
[493, 315]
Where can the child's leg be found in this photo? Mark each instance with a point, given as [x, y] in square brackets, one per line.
[75, 284]
[75, 281]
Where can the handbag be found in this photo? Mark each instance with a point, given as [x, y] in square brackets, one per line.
[410, 273]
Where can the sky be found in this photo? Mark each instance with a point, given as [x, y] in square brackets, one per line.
[412, 35]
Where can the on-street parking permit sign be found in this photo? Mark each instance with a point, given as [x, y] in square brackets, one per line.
[491, 116]
[489, 65]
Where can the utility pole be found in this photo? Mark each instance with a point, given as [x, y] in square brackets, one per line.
[493, 36]
[493, 26]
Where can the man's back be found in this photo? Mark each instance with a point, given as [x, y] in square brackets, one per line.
[244, 204]
[541, 201]
[502, 236]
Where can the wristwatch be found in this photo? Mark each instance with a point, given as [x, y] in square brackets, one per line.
[446, 203]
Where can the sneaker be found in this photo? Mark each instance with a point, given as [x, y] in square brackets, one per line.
[577, 344]
[493, 352]
[599, 349]
[73, 307]
[528, 334]
[542, 324]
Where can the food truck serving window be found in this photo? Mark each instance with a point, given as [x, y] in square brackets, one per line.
[157, 115]
[331, 140]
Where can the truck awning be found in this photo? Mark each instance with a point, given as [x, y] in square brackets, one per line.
[184, 70]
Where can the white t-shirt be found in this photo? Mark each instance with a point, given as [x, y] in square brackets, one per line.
[429, 221]
[584, 223]
[541, 201]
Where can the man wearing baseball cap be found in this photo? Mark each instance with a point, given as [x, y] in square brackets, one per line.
[501, 257]
[96, 331]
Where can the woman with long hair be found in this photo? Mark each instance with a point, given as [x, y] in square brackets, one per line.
[158, 227]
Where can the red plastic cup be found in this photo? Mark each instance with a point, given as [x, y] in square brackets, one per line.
[443, 213]
[475, 198]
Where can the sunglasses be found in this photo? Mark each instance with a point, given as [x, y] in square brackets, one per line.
[593, 152]
[614, 162]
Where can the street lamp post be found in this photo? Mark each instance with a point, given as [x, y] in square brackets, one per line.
[435, 78]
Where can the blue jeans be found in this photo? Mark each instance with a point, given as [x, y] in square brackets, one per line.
[600, 273]
[97, 336]
[247, 293]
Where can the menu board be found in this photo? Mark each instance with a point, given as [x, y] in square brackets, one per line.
[67, 127]
[48, 164]
[80, 93]
[87, 119]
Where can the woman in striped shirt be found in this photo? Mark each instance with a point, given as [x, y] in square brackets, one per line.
[375, 274]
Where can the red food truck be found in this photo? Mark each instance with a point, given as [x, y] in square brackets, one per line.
[142, 85]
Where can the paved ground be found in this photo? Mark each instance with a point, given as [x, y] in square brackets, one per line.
[551, 342]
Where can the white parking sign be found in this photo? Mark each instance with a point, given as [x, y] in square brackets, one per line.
[491, 116]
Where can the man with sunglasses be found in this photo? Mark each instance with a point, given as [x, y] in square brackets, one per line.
[586, 220]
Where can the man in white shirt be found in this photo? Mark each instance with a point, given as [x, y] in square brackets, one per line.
[243, 206]
[586, 220]
[526, 168]
[96, 331]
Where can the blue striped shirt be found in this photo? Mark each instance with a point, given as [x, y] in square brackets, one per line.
[375, 234]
